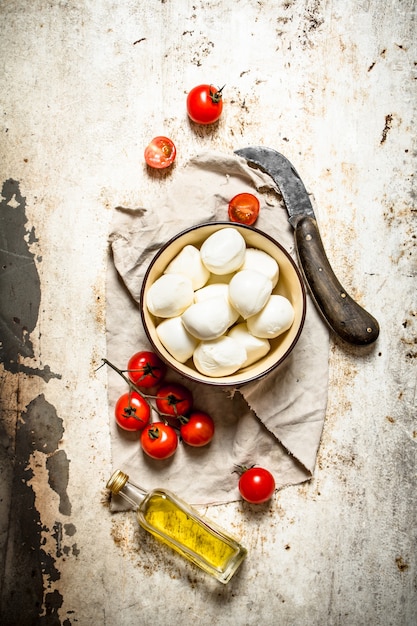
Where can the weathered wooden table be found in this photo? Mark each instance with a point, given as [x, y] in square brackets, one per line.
[85, 86]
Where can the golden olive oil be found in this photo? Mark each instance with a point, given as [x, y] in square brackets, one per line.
[177, 524]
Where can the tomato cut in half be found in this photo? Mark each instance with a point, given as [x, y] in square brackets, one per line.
[244, 208]
[159, 440]
[160, 153]
[132, 412]
[146, 369]
[205, 104]
[256, 485]
[197, 429]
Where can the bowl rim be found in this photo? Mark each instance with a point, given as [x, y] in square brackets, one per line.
[214, 381]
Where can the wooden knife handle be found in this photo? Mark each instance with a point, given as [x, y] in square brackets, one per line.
[345, 316]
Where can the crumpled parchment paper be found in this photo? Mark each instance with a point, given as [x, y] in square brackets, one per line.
[276, 422]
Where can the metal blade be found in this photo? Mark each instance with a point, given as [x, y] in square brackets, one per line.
[285, 176]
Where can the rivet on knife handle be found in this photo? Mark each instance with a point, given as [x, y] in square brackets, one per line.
[345, 316]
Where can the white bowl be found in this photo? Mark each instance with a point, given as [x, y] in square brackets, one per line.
[290, 285]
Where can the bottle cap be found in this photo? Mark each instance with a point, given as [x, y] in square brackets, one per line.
[117, 481]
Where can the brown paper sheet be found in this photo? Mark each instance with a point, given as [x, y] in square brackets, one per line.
[276, 422]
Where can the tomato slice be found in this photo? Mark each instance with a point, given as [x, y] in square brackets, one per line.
[244, 208]
[160, 153]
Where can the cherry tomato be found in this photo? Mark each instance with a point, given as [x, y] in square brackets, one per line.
[244, 208]
[205, 104]
[174, 399]
[132, 412]
[159, 440]
[146, 369]
[160, 153]
[256, 485]
[197, 429]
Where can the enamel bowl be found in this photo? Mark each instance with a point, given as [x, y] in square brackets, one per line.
[290, 285]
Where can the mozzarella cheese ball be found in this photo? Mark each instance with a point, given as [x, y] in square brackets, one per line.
[219, 357]
[208, 319]
[215, 290]
[216, 278]
[223, 252]
[249, 292]
[170, 295]
[275, 318]
[189, 263]
[255, 347]
[173, 336]
[263, 263]
[211, 291]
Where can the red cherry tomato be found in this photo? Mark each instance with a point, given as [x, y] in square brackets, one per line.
[197, 429]
[132, 412]
[244, 208]
[160, 153]
[205, 104]
[174, 400]
[146, 369]
[256, 485]
[159, 440]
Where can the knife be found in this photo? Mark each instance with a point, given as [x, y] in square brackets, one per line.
[344, 316]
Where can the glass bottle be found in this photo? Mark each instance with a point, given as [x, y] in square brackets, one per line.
[177, 524]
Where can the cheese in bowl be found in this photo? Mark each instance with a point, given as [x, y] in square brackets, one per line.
[223, 304]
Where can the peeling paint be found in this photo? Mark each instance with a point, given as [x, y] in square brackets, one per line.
[58, 468]
[28, 573]
[19, 284]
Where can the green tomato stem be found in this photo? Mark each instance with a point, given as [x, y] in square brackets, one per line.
[146, 397]
[217, 95]
[126, 379]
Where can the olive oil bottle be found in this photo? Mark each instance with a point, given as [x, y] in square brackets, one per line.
[177, 524]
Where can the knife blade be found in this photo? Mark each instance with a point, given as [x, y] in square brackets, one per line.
[343, 314]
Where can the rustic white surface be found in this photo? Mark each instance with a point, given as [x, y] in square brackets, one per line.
[332, 85]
